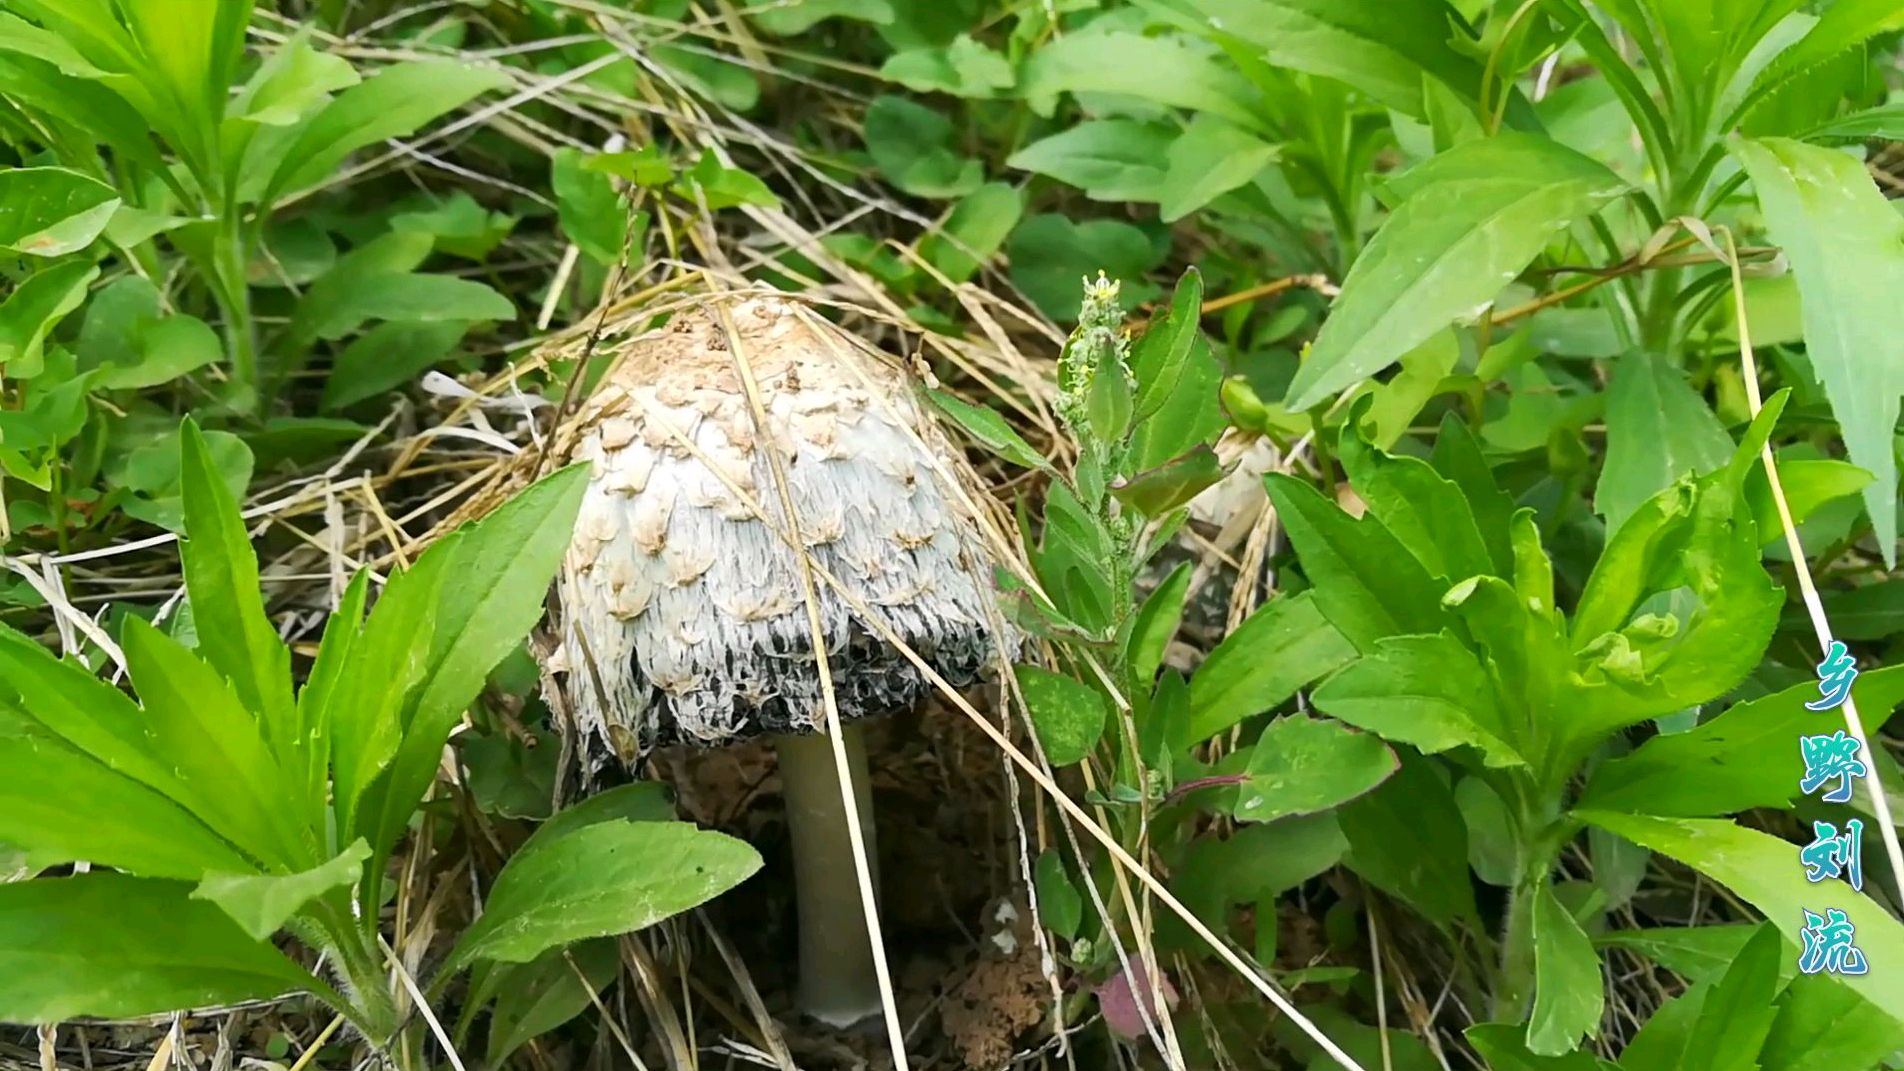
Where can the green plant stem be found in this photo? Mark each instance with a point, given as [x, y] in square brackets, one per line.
[232, 253]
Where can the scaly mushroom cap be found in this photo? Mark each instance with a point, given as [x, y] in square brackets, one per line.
[685, 620]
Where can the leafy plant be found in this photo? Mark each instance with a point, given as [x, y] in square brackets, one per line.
[232, 807]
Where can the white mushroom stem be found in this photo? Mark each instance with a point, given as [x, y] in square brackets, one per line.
[839, 984]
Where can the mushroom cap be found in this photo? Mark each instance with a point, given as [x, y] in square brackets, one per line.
[684, 616]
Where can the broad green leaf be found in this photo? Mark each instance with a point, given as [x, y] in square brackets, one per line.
[389, 356]
[1869, 612]
[1429, 692]
[592, 214]
[503, 565]
[1407, 839]
[1808, 483]
[263, 903]
[1821, 1024]
[536, 997]
[1301, 765]
[153, 471]
[1209, 159]
[1059, 903]
[639, 801]
[1049, 254]
[976, 228]
[221, 575]
[1285, 644]
[989, 429]
[1395, 403]
[1458, 457]
[1156, 624]
[1841, 26]
[290, 82]
[61, 805]
[1170, 485]
[34, 308]
[1366, 582]
[195, 721]
[392, 103]
[1256, 863]
[718, 186]
[1473, 218]
[964, 68]
[1885, 122]
[912, 145]
[1108, 159]
[1846, 246]
[1504, 1045]
[115, 946]
[1068, 714]
[1762, 870]
[50, 211]
[1568, 994]
[786, 18]
[1744, 758]
[1382, 47]
[1426, 513]
[1696, 953]
[1161, 70]
[167, 349]
[343, 300]
[1658, 429]
[601, 879]
[1737, 1012]
[1159, 358]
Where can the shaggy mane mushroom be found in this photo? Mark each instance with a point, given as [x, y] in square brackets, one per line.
[685, 619]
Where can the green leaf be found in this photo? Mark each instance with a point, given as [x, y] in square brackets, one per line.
[1808, 483]
[1568, 994]
[167, 349]
[389, 356]
[1736, 1013]
[1869, 612]
[1173, 484]
[292, 80]
[1366, 582]
[718, 186]
[221, 576]
[1209, 159]
[591, 213]
[262, 903]
[1504, 1046]
[1407, 839]
[1382, 47]
[989, 429]
[1160, 357]
[1426, 513]
[1429, 692]
[964, 68]
[785, 19]
[1841, 27]
[536, 997]
[600, 879]
[1443, 255]
[1108, 159]
[153, 472]
[912, 145]
[34, 308]
[195, 722]
[61, 805]
[392, 103]
[344, 299]
[1744, 758]
[1658, 429]
[1822, 1024]
[1059, 902]
[50, 211]
[639, 801]
[1884, 122]
[1285, 644]
[1256, 863]
[1761, 870]
[1458, 457]
[1301, 765]
[503, 566]
[1846, 246]
[1161, 70]
[1156, 624]
[115, 946]
[977, 227]
[1050, 254]
[1068, 714]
